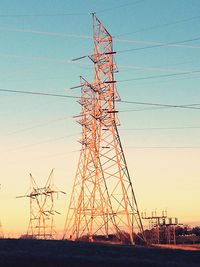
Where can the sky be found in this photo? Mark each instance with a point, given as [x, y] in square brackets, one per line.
[157, 44]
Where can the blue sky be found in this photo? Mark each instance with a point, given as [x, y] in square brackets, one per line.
[39, 133]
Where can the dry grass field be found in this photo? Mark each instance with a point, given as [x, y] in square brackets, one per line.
[29, 253]
[180, 246]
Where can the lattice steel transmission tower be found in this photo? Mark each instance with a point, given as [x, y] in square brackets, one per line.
[42, 212]
[103, 202]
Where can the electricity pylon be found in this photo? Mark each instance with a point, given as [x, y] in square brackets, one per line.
[41, 223]
[102, 201]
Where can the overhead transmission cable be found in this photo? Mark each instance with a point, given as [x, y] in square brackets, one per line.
[120, 6]
[72, 14]
[152, 44]
[39, 125]
[160, 76]
[68, 35]
[170, 44]
[159, 26]
[37, 93]
[176, 73]
[42, 15]
[75, 62]
[163, 147]
[160, 128]
[188, 106]
[153, 80]
[153, 68]
[42, 142]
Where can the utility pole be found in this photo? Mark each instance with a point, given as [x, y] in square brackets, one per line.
[103, 201]
[42, 212]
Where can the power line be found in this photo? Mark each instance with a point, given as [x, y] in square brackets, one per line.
[160, 76]
[160, 128]
[168, 80]
[126, 129]
[181, 63]
[163, 147]
[69, 35]
[38, 125]
[62, 154]
[154, 68]
[188, 106]
[52, 155]
[70, 14]
[42, 15]
[155, 44]
[37, 93]
[160, 26]
[177, 73]
[142, 109]
[125, 80]
[170, 44]
[153, 108]
[47, 59]
[68, 61]
[42, 142]
[120, 6]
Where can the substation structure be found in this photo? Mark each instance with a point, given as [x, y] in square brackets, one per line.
[103, 203]
[161, 228]
[42, 212]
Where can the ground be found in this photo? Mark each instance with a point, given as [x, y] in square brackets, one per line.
[29, 253]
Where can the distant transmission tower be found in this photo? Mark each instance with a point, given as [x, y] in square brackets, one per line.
[103, 202]
[41, 223]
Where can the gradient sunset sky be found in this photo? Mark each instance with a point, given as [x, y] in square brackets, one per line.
[157, 44]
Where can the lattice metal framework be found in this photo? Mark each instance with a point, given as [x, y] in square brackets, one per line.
[102, 201]
[42, 212]
[161, 228]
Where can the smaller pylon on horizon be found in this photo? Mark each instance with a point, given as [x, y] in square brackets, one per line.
[42, 212]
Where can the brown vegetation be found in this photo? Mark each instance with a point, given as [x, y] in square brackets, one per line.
[31, 253]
